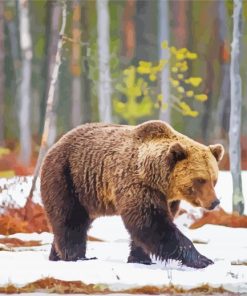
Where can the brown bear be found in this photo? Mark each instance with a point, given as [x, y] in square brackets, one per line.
[140, 173]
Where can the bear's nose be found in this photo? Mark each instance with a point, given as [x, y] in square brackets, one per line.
[214, 204]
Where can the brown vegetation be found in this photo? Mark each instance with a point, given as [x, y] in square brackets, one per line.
[220, 217]
[51, 285]
[28, 219]
[12, 242]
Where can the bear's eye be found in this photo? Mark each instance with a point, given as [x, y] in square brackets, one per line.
[200, 181]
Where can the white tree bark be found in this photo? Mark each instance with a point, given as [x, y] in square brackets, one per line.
[164, 54]
[49, 113]
[235, 115]
[104, 88]
[25, 87]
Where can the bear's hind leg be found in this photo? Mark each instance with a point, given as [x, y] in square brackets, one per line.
[137, 255]
[70, 234]
[53, 254]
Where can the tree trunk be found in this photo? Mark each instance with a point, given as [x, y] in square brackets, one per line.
[75, 66]
[25, 87]
[163, 17]
[50, 113]
[104, 89]
[86, 83]
[223, 108]
[211, 54]
[128, 31]
[52, 37]
[146, 28]
[2, 75]
[235, 115]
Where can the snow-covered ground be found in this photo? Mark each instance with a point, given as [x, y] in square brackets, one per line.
[226, 246]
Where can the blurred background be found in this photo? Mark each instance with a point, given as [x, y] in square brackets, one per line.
[123, 61]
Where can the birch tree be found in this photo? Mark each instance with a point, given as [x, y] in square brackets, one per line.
[223, 108]
[49, 113]
[104, 87]
[86, 82]
[75, 66]
[25, 86]
[164, 54]
[52, 32]
[235, 114]
[2, 77]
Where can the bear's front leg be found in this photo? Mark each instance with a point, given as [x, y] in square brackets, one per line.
[137, 255]
[146, 216]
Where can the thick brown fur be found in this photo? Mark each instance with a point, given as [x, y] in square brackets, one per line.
[140, 173]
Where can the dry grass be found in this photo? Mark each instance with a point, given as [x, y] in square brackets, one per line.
[51, 285]
[220, 217]
[12, 242]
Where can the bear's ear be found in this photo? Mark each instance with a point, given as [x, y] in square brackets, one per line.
[176, 153]
[217, 151]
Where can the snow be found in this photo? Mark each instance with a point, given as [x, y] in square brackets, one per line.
[225, 246]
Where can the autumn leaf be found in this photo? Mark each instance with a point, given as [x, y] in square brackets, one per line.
[191, 55]
[201, 97]
[194, 81]
[189, 93]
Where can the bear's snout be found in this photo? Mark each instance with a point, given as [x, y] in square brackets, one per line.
[214, 204]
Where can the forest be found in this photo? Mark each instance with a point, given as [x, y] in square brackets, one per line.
[64, 63]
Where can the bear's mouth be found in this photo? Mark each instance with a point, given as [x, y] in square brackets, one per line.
[214, 204]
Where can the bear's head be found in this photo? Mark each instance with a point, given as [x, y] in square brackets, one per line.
[194, 173]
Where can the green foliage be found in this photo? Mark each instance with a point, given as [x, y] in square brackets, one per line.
[140, 94]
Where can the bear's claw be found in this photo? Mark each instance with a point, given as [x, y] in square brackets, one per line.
[146, 262]
[86, 259]
[197, 261]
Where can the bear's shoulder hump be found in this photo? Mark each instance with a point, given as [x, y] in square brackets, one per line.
[153, 129]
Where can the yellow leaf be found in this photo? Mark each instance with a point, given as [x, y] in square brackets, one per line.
[164, 44]
[152, 77]
[189, 93]
[174, 82]
[7, 174]
[191, 55]
[174, 69]
[183, 50]
[179, 56]
[145, 64]
[143, 70]
[184, 68]
[195, 81]
[181, 76]
[180, 89]
[186, 110]
[201, 97]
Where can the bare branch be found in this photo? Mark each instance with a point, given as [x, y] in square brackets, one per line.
[49, 114]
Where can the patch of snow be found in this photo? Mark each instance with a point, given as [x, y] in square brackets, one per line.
[223, 245]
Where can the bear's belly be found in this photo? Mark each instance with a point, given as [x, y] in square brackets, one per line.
[98, 205]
